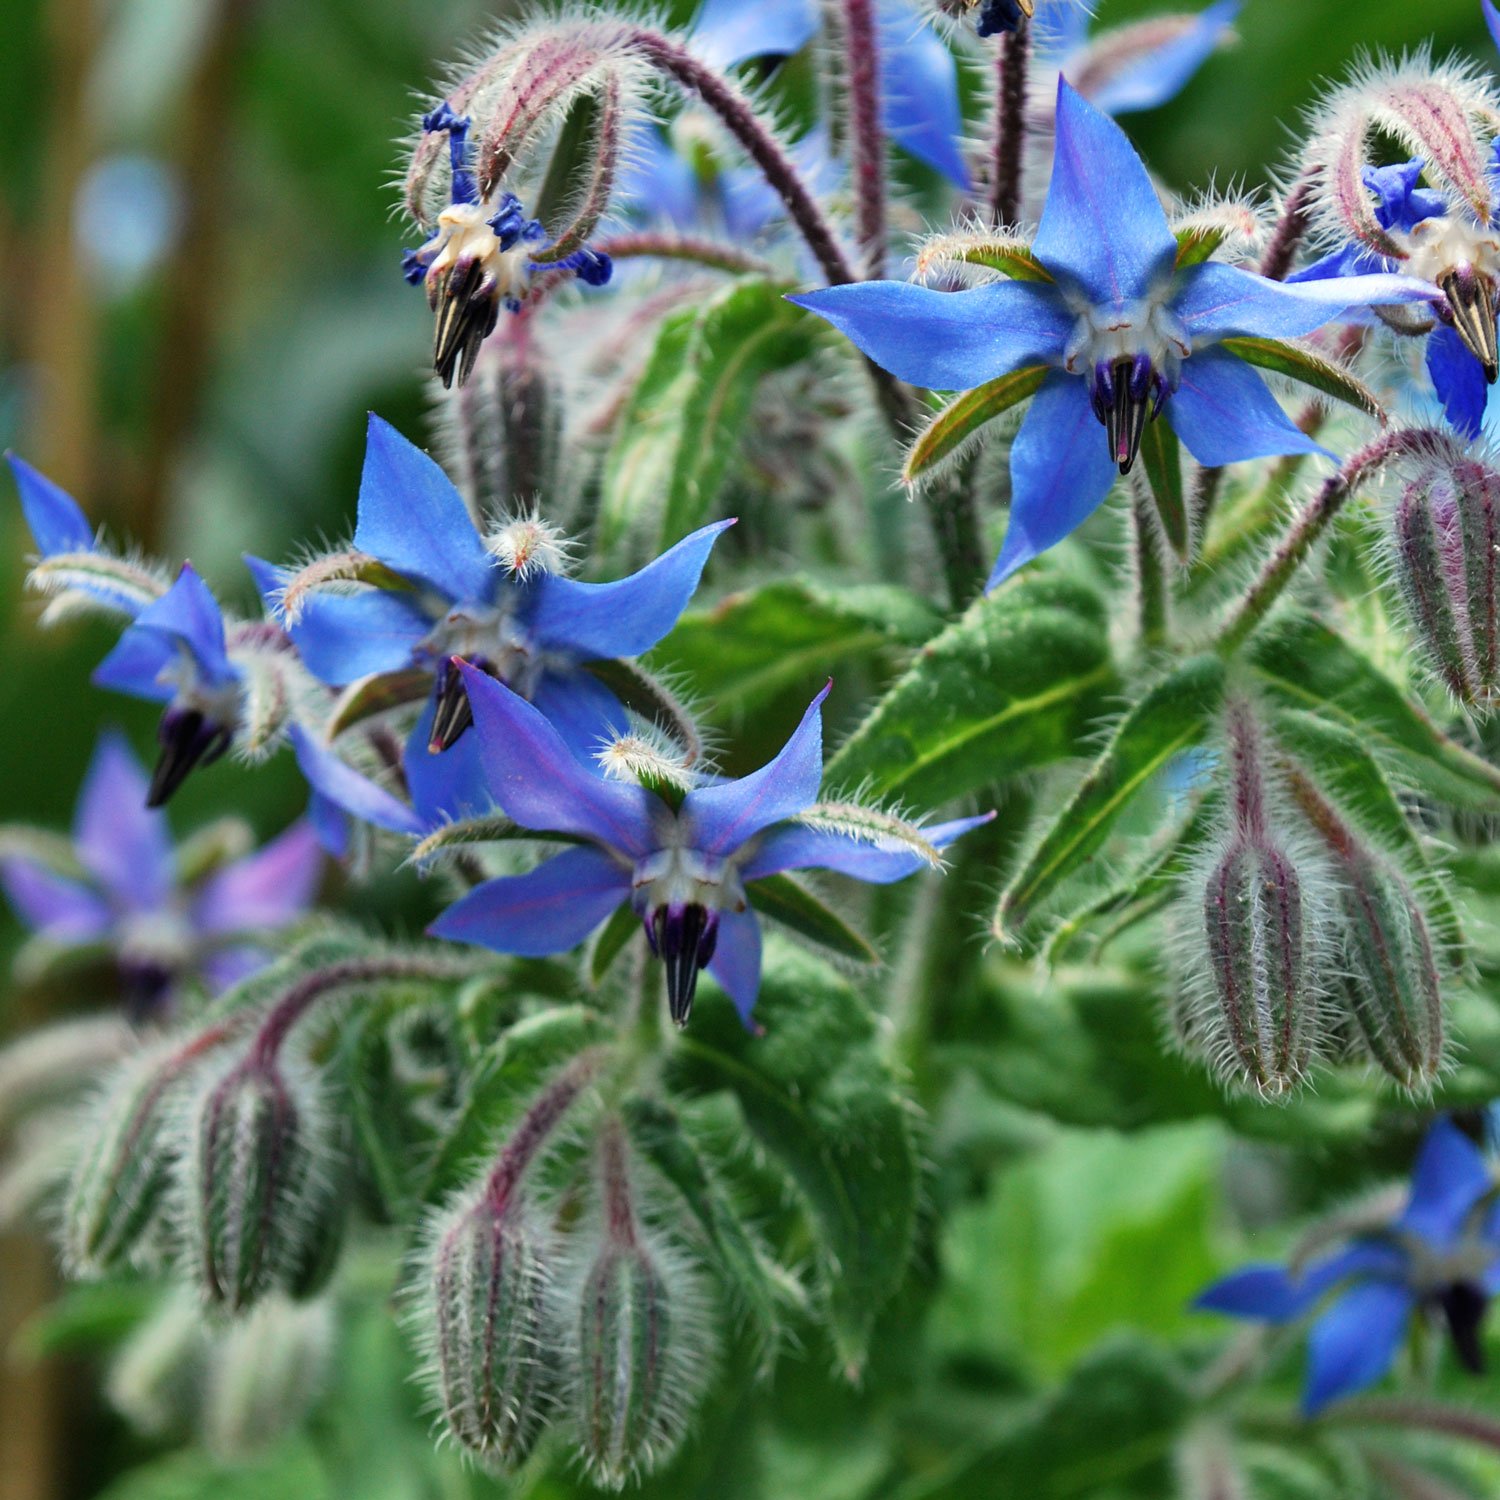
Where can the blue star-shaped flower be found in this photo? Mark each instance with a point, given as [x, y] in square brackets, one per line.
[686, 866]
[1124, 334]
[122, 890]
[450, 596]
[1440, 1255]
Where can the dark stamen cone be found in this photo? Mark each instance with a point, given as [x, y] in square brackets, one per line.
[1127, 393]
[187, 740]
[1471, 300]
[453, 713]
[467, 304]
[1464, 1306]
[684, 938]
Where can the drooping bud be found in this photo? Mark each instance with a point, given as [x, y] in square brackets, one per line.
[1391, 982]
[128, 1145]
[1263, 1019]
[257, 1178]
[155, 1380]
[635, 1347]
[188, 738]
[1447, 530]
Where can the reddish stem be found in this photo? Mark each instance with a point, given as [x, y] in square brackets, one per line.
[862, 70]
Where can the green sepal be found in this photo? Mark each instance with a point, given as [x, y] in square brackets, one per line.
[957, 422]
[1161, 458]
[786, 901]
[1308, 367]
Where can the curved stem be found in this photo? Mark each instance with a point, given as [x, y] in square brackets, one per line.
[1291, 228]
[699, 249]
[1012, 66]
[862, 71]
[523, 1143]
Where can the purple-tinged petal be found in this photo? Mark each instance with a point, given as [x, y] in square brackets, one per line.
[56, 522]
[796, 847]
[447, 787]
[600, 621]
[947, 341]
[1216, 301]
[1355, 1342]
[136, 665]
[51, 904]
[125, 845]
[655, 182]
[729, 32]
[1060, 471]
[1162, 74]
[749, 203]
[721, 818]
[1450, 1177]
[269, 580]
[540, 784]
[1458, 379]
[342, 785]
[919, 91]
[330, 822]
[582, 710]
[1224, 413]
[1103, 226]
[268, 888]
[736, 960]
[224, 969]
[414, 520]
[1492, 19]
[342, 638]
[549, 910]
[188, 615]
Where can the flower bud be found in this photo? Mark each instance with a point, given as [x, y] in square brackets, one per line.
[486, 1316]
[256, 1180]
[155, 1379]
[1446, 533]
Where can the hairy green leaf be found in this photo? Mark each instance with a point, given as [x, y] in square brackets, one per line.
[1308, 367]
[785, 900]
[957, 422]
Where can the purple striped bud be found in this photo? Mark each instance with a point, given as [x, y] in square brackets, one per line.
[1447, 529]
[257, 1180]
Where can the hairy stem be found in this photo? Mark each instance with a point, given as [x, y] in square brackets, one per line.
[1291, 228]
[699, 249]
[546, 1110]
[862, 71]
[1012, 65]
[1151, 575]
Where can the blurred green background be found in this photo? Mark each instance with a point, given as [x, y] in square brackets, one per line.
[201, 300]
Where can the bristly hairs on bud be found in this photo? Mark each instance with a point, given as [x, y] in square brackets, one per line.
[526, 546]
[649, 757]
[639, 1343]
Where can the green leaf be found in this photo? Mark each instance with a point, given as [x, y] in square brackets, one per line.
[815, 1092]
[1172, 717]
[681, 427]
[1344, 768]
[1197, 243]
[1013, 685]
[1161, 458]
[609, 942]
[659, 1135]
[784, 900]
[506, 1081]
[1305, 664]
[957, 422]
[84, 1318]
[291, 1468]
[754, 645]
[1309, 367]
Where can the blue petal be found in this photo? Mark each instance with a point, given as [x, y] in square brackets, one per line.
[1103, 226]
[749, 203]
[1350, 260]
[1492, 20]
[600, 621]
[343, 637]
[549, 910]
[1355, 1342]
[51, 904]
[736, 960]
[269, 580]
[268, 888]
[721, 818]
[1266, 1294]
[56, 522]
[414, 520]
[800, 848]
[1216, 301]
[1161, 75]
[124, 845]
[538, 782]
[656, 181]
[585, 714]
[1458, 379]
[919, 91]
[188, 615]
[1450, 1177]
[947, 341]
[344, 786]
[447, 786]
[136, 666]
[1057, 30]
[331, 823]
[1223, 412]
[729, 32]
[1060, 471]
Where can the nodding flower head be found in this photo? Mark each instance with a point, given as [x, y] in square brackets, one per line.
[478, 259]
[686, 862]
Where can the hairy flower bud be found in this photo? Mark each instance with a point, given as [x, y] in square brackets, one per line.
[1446, 532]
[487, 1319]
[256, 1180]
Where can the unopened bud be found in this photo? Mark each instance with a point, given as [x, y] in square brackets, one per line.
[256, 1180]
[1447, 532]
[487, 1319]
[155, 1380]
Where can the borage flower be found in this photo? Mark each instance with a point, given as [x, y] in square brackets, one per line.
[1112, 330]
[482, 257]
[430, 590]
[685, 862]
[1440, 1257]
[161, 915]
